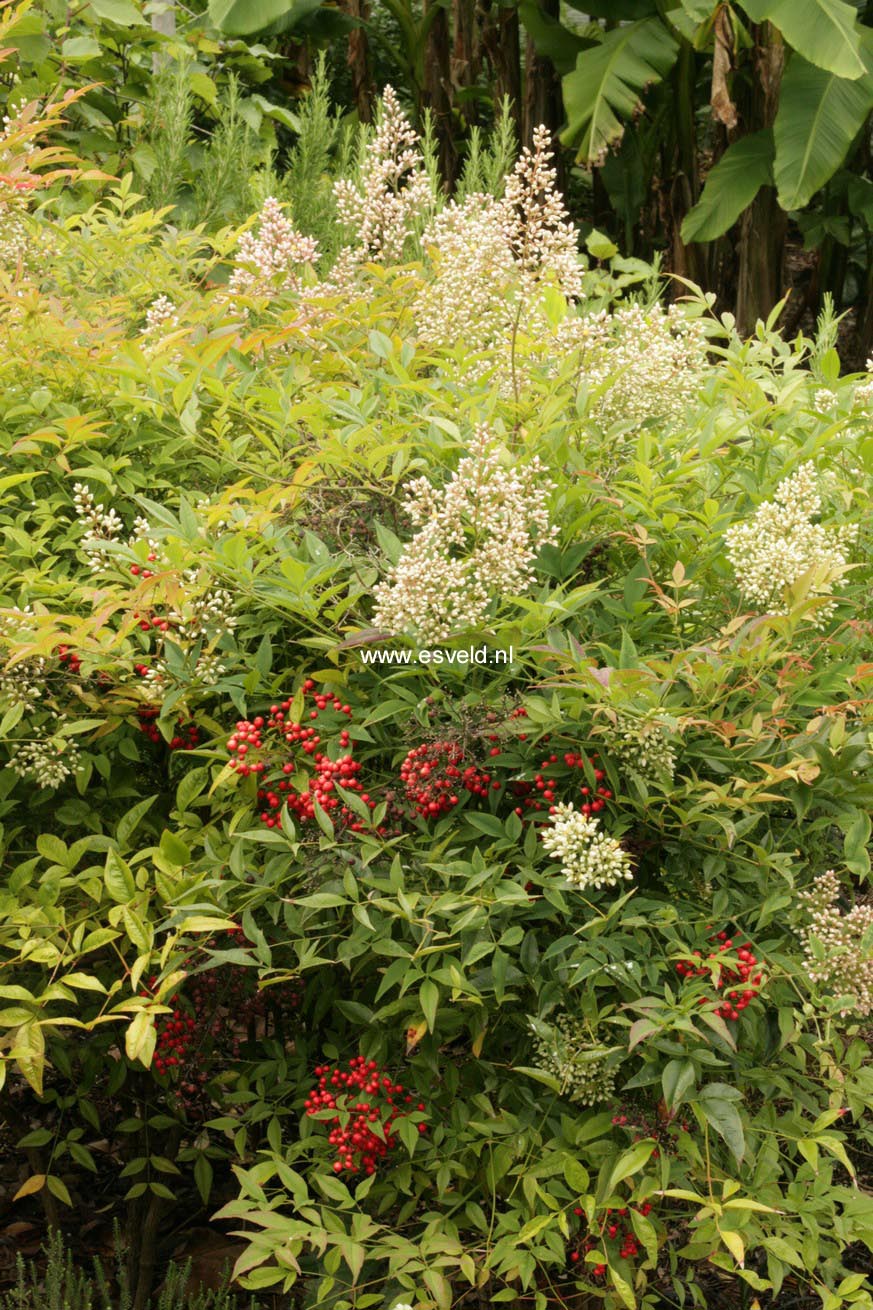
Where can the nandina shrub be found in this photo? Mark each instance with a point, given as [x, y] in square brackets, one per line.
[174, 565]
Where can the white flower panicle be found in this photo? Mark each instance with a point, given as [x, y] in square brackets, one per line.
[99, 525]
[493, 259]
[589, 858]
[864, 392]
[824, 399]
[839, 947]
[477, 540]
[465, 300]
[393, 191]
[780, 544]
[642, 746]
[47, 761]
[14, 243]
[578, 1061]
[24, 682]
[269, 261]
[535, 223]
[160, 312]
[637, 363]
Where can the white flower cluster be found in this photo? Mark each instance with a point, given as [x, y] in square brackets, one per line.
[824, 399]
[203, 617]
[47, 762]
[642, 746]
[492, 259]
[16, 246]
[578, 1062]
[780, 544]
[99, 525]
[589, 858]
[393, 191]
[268, 262]
[208, 615]
[535, 222]
[14, 243]
[160, 312]
[23, 683]
[864, 392]
[478, 537]
[637, 363]
[844, 961]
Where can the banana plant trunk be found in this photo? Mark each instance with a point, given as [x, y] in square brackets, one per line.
[762, 227]
[438, 91]
[358, 59]
[465, 57]
[680, 186]
[501, 45]
[543, 102]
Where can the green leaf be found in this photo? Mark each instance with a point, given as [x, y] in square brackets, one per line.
[129, 821]
[623, 1288]
[630, 1162]
[58, 1188]
[723, 1116]
[577, 1175]
[823, 31]
[203, 1176]
[118, 879]
[731, 186]
[677, 1077]
[122, 12]
[139, 1040]
[52, 848]
[599, 245]
[605, 87]
[857, 838]
[78, 49]
[819, 117]
[547, 1079]
[192, 785]
[429, 999]
[174, 849]
[323, 819]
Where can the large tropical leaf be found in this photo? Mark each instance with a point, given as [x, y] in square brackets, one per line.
[551, 38]
[606, 85]
[818, 119]
[242, 17]
[731, 186]
[825, 32]
[623, 10]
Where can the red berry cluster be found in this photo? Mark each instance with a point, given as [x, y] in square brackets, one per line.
[261, 747]
[362, 1096]
[153, 621]
[613, 1228]
[435, 772]
[543, 791]
[70, 658]
[738, 985]
[186, 739]
[138, 571]
[174, 1035]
